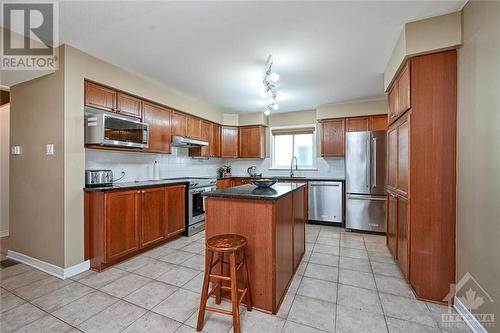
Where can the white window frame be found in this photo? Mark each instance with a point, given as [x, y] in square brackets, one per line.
[314, 148]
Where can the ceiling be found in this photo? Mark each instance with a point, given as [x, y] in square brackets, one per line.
[325, 52]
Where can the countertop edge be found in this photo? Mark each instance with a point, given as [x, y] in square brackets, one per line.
[139, 185]
[215, 194]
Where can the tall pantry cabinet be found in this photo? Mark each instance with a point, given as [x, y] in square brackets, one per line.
[421, 142]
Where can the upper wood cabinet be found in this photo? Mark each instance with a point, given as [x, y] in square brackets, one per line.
[179, 124]
[194, 127]
[252, 141]
[403, 156]
[404, 96]
[215, 147]
[378, 123]
[332, 137]
[100, 97]
[229, 142]
[129, 105]
[158, 119]
[175, 209]
[358, 124]
[153, 220]
[399, 96]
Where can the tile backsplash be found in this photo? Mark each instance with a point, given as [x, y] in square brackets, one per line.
[139, 166]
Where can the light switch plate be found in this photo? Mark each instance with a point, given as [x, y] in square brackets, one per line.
[15, 150]
[50, 149]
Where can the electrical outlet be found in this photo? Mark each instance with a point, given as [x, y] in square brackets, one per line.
[49, 149]
[16, 150]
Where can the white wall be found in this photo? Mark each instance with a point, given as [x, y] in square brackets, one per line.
[4, 169]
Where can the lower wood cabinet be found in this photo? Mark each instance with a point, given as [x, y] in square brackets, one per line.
[122, 223]
[397, 230]
[299, 220]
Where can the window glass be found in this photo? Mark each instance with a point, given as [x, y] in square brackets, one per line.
[285, 146]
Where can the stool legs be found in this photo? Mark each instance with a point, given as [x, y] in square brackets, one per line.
[234, 293]
[247, 281]
[221, 273]
[204, 292]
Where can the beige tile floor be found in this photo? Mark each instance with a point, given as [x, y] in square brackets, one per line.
[347, 282]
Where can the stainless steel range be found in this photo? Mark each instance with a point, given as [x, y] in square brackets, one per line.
[196, 202]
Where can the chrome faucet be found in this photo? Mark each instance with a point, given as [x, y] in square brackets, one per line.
[291, 166]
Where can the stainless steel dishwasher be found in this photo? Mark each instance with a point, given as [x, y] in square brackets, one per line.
[325, 202]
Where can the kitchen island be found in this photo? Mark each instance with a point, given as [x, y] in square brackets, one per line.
[273, 221]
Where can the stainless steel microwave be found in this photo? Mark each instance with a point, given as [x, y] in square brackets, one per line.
[111, 129]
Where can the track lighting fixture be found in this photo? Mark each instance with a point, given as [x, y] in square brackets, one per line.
[269, 89]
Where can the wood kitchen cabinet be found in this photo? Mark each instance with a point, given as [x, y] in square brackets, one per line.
[332, 137]
[100, 97]
[378, 123]
[158, 119]
[215, 146]
[252, 141]
[229, 142]
[224, 183]
[122, 223]
[176, 209]
[194, 127]
[179, 124]
[399, 96]
[421, 219]
[358, 124]
[299, 225]
[153, 218]
[128, 105]
[210, 132]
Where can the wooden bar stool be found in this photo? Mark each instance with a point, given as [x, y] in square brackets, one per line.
[231, 245]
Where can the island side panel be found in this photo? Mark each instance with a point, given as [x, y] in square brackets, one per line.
[299, 227]
[284, 246]
[254, 220]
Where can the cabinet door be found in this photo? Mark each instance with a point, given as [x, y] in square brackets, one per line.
[378, 123]
[402, 224]
[392, 157]
[229, 141]
[122, 224]
[129, 105]
[158, 119]
[215, 149]
[224, 183]
[176, 209]
[358, 124]
[393, 102]
[332, 137]
[206, 135]
[153, 220]
[194, 127]
[404, 93]
[252, 142]
[100, 97]
[179, 124]
[403, 166]
[392, 227]
[299, 219]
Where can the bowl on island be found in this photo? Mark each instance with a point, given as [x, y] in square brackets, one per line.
[263, 182]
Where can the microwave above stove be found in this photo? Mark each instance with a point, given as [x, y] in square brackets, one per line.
[111, 129]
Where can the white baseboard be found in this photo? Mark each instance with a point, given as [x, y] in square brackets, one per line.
[4, 233]
[62, 273]
[468, 317]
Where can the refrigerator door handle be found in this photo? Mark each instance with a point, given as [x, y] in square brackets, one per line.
[368, 159]
[374, 181]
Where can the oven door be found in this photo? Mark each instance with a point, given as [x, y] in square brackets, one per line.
[197, 204]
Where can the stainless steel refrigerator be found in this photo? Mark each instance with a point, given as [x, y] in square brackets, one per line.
[365, 165]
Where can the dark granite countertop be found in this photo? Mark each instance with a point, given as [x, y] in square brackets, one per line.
[138, 185]
[306, 178]
[253, 192]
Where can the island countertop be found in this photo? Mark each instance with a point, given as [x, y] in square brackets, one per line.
[249, 191]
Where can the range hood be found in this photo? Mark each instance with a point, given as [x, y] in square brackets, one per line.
[181, 141]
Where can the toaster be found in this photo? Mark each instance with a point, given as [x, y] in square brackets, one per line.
[98, 178]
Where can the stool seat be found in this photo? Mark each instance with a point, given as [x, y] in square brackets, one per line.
[226, 243]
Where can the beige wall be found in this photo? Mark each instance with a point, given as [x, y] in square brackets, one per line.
[255, 118]
[230, 119]
[424, 36]
[4, 169]
[292, 118]
[478, 160]
[37, 180]
[352, 109]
